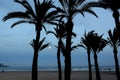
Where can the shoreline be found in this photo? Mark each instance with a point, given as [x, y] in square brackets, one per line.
[53, 75]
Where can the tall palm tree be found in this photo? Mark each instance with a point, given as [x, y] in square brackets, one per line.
[86, 44]
[98, 43]
[115, 43]
[70, 8]
[59, 32]
[38, 17]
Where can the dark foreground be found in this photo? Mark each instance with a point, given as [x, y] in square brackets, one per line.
[52, 75]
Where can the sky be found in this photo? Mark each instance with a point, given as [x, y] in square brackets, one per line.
[15, 49]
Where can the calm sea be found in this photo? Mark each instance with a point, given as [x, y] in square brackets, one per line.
[54, 68]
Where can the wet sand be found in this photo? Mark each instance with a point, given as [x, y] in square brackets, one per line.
[52, 75]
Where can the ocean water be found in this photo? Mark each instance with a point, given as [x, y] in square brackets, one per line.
[54, 68]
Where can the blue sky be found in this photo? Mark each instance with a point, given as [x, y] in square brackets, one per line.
[16, 51]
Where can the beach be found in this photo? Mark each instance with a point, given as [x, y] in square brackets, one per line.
[52, 75]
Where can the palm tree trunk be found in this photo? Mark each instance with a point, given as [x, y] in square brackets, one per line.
[116, 18]
[34, 66]
[35, 57]
[89, 64]
[68, 50]
[59, 62]
[96, 67]
[116, 64]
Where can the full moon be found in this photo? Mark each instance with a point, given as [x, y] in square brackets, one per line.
[49, 47]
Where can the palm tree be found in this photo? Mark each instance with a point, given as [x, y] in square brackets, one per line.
[98, 43]
[59, 32]
[115, 43]
[70, 8]
[113, 5]
[38, 17]
[86, 44]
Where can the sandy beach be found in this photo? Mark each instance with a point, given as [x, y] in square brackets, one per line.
[52, 75]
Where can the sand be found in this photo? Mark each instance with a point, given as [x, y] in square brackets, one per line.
[52, 75]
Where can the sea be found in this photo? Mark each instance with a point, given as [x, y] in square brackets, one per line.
[54, 68]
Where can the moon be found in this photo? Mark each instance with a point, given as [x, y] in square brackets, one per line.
[49, 47]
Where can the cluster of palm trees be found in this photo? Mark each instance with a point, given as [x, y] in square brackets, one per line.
[45, 12]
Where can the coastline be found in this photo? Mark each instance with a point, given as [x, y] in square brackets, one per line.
[47, 75]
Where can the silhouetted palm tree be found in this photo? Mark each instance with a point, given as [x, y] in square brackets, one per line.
[70, 8]
[60, 33]
[98, 43]
[115, 43]
[38, 17]
[86, 44]
[114, 5]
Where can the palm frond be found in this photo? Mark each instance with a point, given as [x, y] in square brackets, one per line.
[33, 43]
[113, 38]
[110, 34]
[22, 21]
[26, 5]
[51, 22]
[16, 15]
[42, 9]
[118, 44]
[54, 33]
[89, 11]
[51, 14]
[102, 44]
[73, 34]
[82, 45]
[83, 7]
[36, 5]
[44, 46]
[74, 47]
[41, 42]
[65, 4]
[99, 4]
[77, 3]
[44, 28]
[112, 4]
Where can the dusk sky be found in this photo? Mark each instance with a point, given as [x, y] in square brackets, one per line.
[16, 51]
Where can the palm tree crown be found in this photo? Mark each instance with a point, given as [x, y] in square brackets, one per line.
[59, 30]
[113, 38]
[39, 16]
[73, 7]
[98, 43]
[86, 40]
